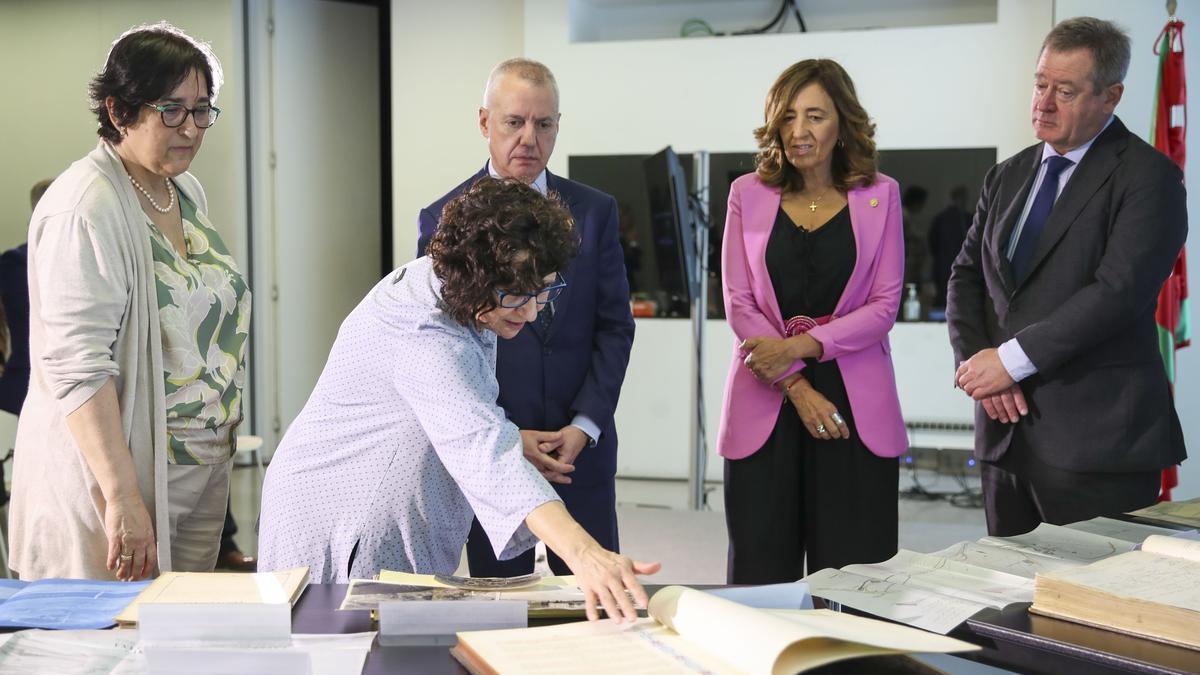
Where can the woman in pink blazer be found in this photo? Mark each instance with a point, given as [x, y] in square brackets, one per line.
[813, 262]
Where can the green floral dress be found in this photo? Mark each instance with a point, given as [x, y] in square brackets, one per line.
[204, 314]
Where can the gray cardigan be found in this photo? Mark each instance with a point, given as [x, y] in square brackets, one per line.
[93, 315]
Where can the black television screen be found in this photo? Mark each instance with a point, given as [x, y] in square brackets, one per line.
[646, 241]
[671, 224]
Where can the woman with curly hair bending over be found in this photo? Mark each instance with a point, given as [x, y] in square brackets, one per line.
[402, 442]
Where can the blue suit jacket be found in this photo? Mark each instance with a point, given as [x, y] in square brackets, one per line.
[577, 367]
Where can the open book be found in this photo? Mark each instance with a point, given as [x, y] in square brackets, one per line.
[694, 632]
[554, 596]
[938, 591]
[1178, 513]
[220, 587]
[1154, 592]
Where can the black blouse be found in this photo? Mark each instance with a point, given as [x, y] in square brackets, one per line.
[809, 270]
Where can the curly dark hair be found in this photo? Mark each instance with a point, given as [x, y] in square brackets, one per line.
[855, 161]
[501, 234]
[146, 64]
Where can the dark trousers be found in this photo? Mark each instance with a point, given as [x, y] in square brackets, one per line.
[830, 500]
[594, 507]
[228, 530]
[1020, 492]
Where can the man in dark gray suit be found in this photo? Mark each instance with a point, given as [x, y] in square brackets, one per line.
[1051, 301]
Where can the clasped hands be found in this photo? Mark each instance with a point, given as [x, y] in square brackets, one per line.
[553, 453]
[769, 357]
[984, 378]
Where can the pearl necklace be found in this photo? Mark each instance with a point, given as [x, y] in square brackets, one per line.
[170, 191]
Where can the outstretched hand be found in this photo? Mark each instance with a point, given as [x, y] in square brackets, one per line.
[608, 580]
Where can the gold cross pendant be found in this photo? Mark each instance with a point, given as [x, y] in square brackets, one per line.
[813, 206]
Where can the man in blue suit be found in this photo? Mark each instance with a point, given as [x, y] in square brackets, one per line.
[559, 378]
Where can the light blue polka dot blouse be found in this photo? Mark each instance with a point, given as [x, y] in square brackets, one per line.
[399, 445]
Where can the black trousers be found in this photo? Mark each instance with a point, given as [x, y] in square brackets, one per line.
[1020, 492]
[830, 501]
[594, 507]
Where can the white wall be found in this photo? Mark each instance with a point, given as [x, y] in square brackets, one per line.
[1143, 21]
[945, 86]
[922, 85]
[51, 49]
[442, 53]
[317, 206]
[708, 93]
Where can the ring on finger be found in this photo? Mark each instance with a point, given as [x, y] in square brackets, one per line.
[821, 429]
[126, 556]
[837, 418]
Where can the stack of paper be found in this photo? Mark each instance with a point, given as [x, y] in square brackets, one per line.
[938, 591]
[221, 588]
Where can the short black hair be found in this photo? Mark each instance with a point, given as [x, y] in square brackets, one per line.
[145, 64]
[499, 234]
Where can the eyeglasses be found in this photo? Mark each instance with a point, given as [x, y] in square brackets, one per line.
[174, 114]
[542, 297]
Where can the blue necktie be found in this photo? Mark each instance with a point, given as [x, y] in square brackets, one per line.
[546, 317]
[1031, 231]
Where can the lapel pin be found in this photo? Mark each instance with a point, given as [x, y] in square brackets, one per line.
[874, 203]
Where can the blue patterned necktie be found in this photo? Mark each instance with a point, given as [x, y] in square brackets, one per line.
[546, 317]
[1043, 203]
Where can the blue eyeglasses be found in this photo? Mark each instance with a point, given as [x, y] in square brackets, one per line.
[542, 297]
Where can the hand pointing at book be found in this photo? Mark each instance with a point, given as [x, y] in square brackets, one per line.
[607, 579]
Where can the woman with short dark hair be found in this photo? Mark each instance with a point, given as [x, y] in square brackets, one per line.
[138, 327]
[402, 441]
[812, 264]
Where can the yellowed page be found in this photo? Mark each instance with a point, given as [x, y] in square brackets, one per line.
[558, 583]
[593, 648]
[1173, 547]
[220, 587]
[883, 635]
[1180, 513]
[1141, 575]
[554, 596]
[755, 641]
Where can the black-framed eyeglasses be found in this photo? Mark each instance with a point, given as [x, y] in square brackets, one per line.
[542, 297]
[174, 114]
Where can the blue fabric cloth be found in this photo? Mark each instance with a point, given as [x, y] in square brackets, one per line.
[66, 604]
[1043, 203]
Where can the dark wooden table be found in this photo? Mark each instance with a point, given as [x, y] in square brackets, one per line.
[1018, 640]
[316, 612]
[1012, 639]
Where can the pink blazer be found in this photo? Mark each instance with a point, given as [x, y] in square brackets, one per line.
[856, 335]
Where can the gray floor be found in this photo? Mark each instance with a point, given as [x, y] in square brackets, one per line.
[691, 545]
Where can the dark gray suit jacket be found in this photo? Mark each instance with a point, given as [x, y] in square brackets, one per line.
[1084, 315]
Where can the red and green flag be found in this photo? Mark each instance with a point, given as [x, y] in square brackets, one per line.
[1168, 132]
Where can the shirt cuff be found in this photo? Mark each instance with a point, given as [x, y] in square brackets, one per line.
[1015, 361]
[587, 426]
